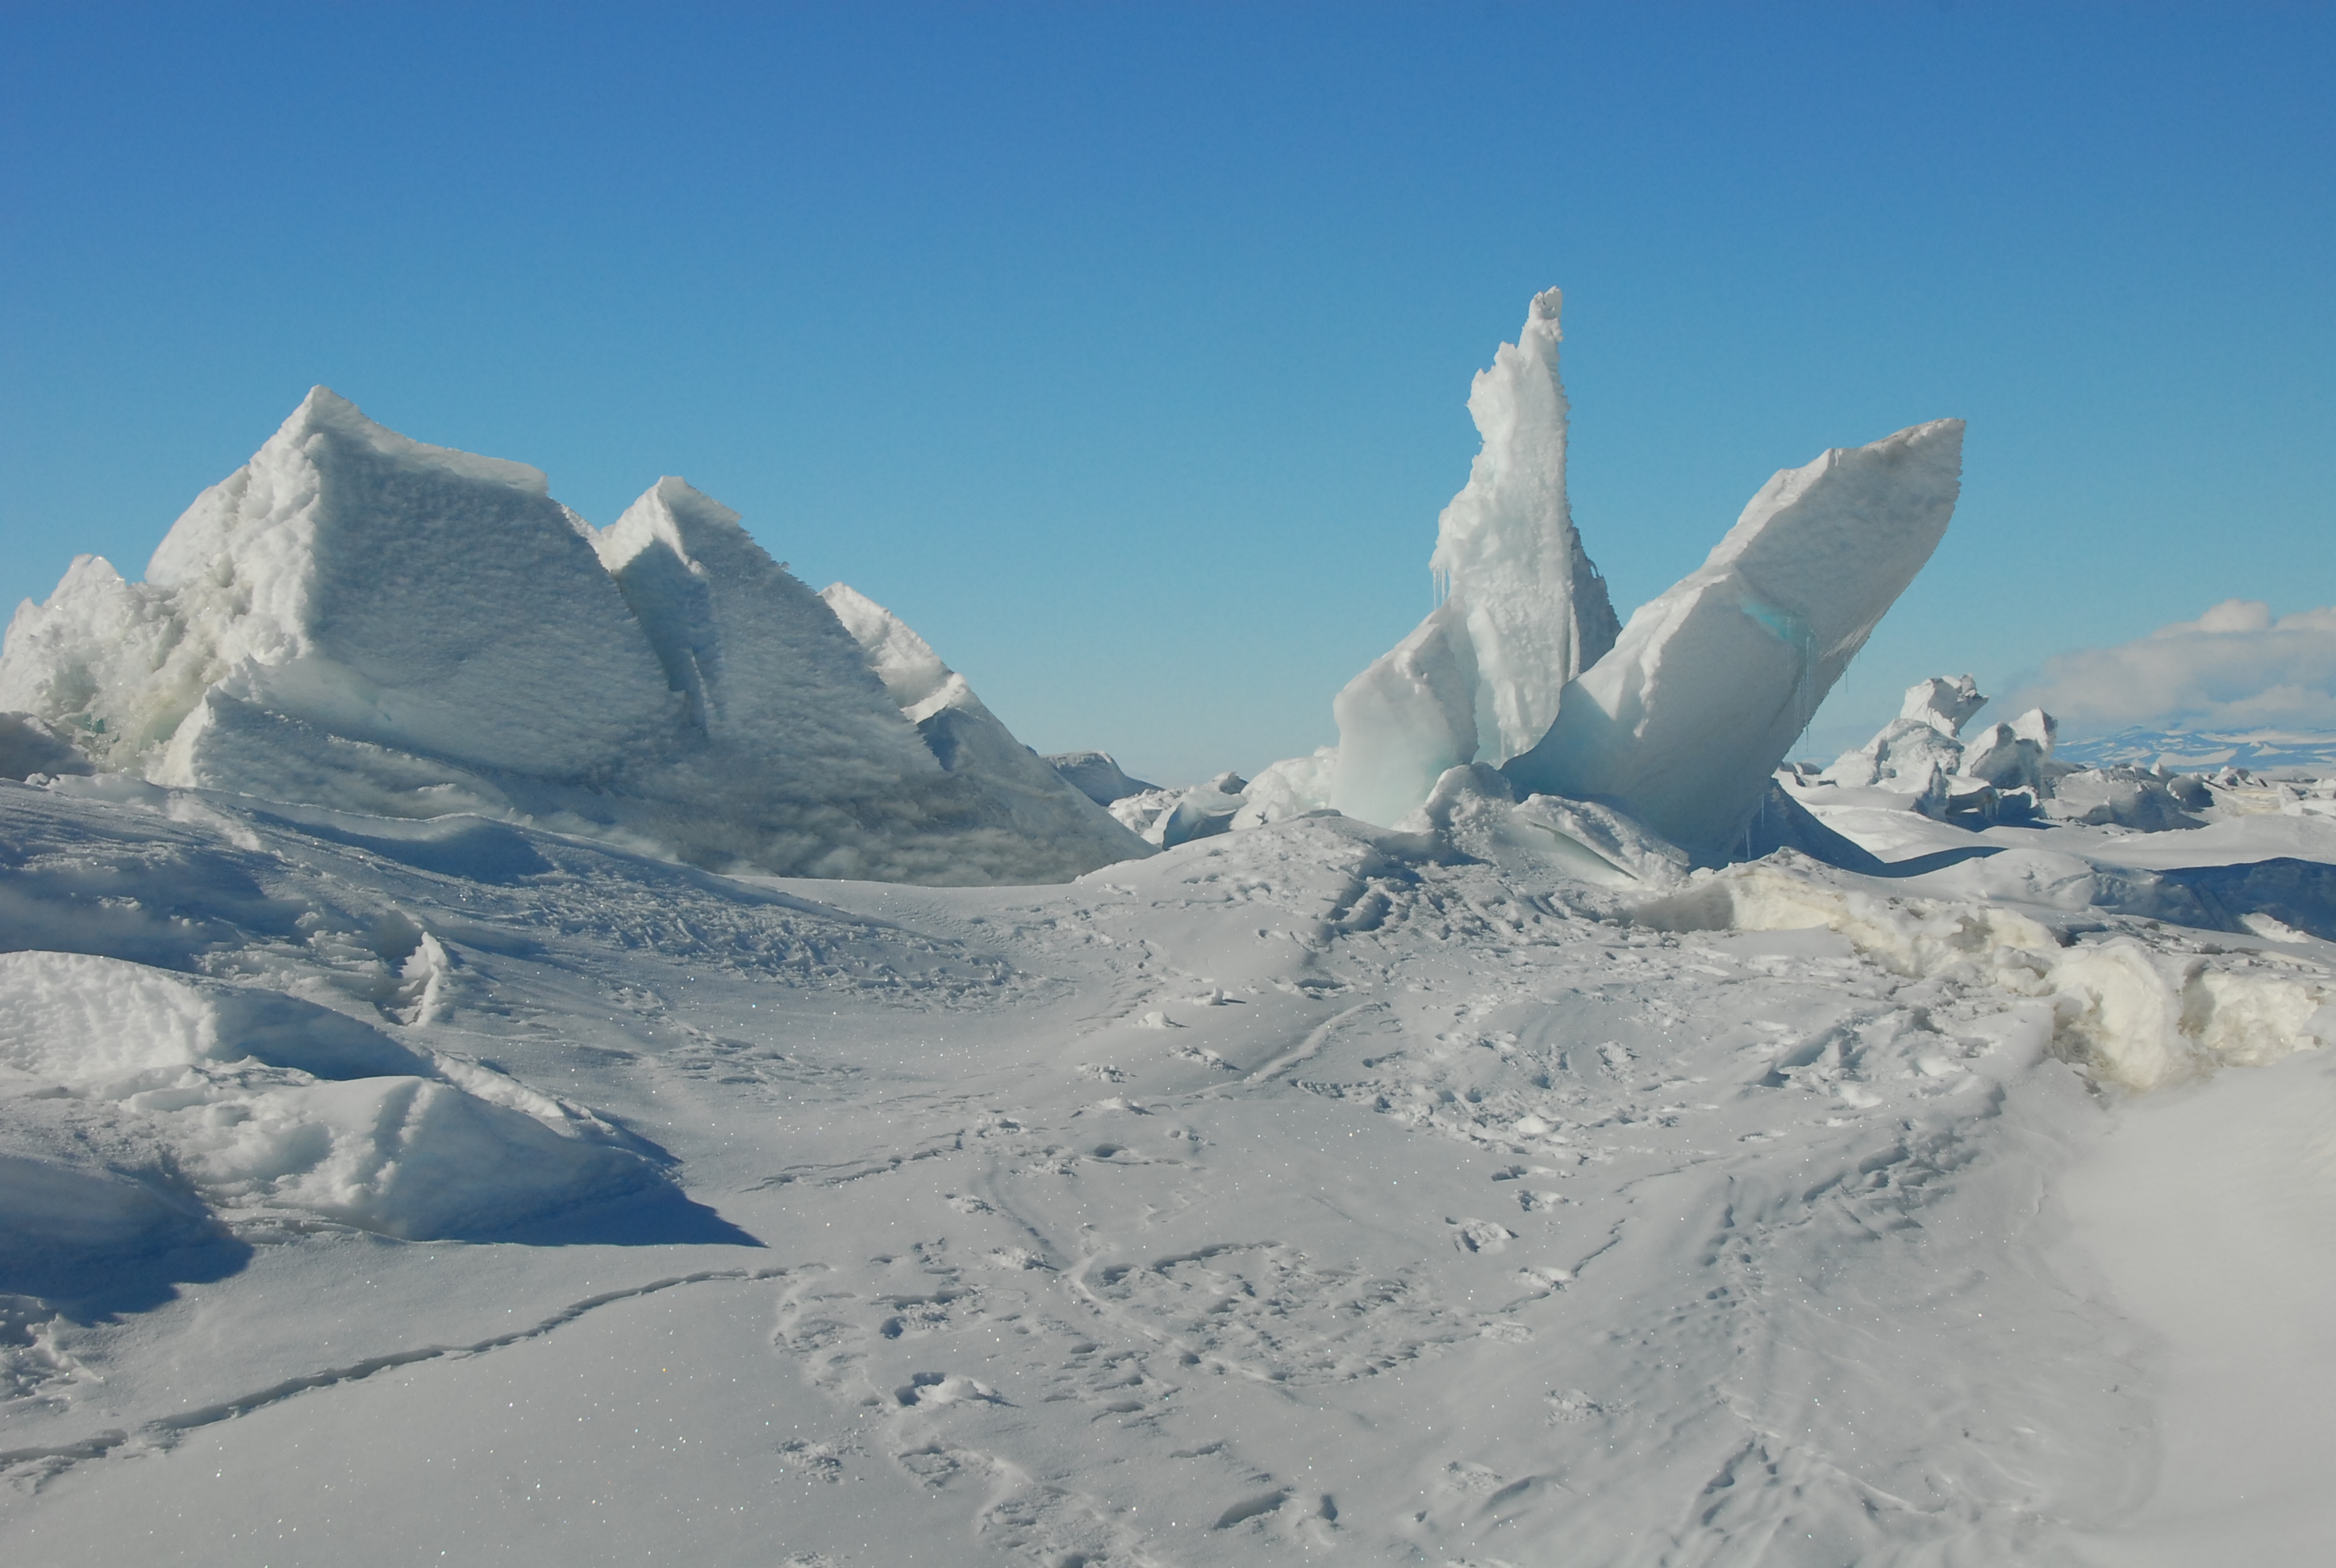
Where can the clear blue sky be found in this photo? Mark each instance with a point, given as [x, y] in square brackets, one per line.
[1123, 350]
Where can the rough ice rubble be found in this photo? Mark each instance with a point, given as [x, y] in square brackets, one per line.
[1525, 611]
[359, 621]
[1097, 776]
[1686, 718]
[2132, 1015]
[2007, 772]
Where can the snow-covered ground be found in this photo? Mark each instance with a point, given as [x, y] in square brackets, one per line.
[1317, 1191]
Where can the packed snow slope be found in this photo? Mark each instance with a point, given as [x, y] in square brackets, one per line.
[378, 1189]
[359, 621]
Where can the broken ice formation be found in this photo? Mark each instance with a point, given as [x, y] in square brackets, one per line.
[2013, 755]
[1686, 719]
[358, 620]
[2007, 772]
[1917, 752]
[1678, 719]
[1525, 611]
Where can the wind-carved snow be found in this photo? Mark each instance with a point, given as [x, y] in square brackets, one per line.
[358, 620]
[1523, 612]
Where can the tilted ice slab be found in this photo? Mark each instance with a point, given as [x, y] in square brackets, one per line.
[764, 666]
[1481, 676]
[358, 620]
[1685, 720]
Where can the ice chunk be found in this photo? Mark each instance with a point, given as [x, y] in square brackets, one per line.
[360, 621]
[1406, 720]
[1011, 785]
[1096, 775]
[2039, 726]
[1535, 611]
[913, 675]
[96, 663]
[1290, 788]
[2117, 796]
[1942, 703]
[2013, 755]
[418, 598]
[1917, 752]
[1524, 610]
[767, 668]
[1201, 812]
[1685, 721]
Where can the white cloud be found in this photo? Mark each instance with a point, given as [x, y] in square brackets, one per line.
[2234, 667]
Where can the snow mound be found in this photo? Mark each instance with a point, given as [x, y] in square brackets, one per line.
[263, 1104]
[1481, 676]
[360, 621]
[1685, 721]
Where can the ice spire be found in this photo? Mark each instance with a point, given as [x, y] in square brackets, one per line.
[1536, 609]
[1524, 610]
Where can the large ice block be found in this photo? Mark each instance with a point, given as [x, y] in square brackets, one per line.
[1685, 720]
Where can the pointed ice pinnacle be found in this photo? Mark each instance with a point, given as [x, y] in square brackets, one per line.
[1525, 611]
[1684, 722]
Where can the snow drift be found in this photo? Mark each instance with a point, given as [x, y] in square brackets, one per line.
[359, 621]
[252, 1103]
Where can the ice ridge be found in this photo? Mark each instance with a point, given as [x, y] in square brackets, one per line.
[362, 621]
